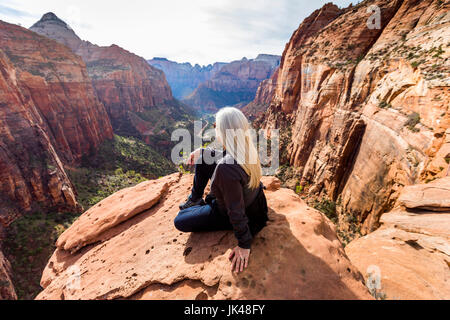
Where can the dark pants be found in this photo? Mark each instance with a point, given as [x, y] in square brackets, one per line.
[203, 173]
[201, 218]
[206, 217]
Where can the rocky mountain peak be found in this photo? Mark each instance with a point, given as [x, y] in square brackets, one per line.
[50, 18]
[54, 28]
[78, 122]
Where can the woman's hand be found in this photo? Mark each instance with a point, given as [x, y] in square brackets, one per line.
[193, 157]
[239, 259]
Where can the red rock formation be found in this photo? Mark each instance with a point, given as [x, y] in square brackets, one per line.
[409, 256]
[140, 255]
[125, 204]
[49, 115]
[235, 83]
[354, 96]
[123, 81]
[263, 98]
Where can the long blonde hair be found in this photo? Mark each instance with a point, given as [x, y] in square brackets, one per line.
[233, 131]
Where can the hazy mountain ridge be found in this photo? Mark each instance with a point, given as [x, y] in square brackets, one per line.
[235, 83]
[184, 78]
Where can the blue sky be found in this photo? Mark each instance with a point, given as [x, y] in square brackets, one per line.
[196, 31]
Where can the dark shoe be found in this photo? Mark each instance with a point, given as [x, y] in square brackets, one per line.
[189, 203]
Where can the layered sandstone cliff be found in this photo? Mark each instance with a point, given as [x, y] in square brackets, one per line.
[127, 247]
[235, 84]
[49, 115]
[263, 98]
[184, 78]
[123, 81]
[366, 105]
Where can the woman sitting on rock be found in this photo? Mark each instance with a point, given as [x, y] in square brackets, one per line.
[236, 201]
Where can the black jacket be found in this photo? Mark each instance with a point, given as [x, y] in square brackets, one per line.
[245, 207]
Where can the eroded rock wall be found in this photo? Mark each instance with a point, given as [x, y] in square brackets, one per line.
[368, 108]
[49, 115]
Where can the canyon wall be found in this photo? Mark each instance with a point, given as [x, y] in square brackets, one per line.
[366, 104]
[234, 85]
[123, 81]
[49, 116]
[184, 78]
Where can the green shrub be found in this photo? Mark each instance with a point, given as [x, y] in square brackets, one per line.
[299, 189]
[359, 59]
[439, 52]
[413, 121]
[327, 207]
[384, 105]
[411, 56]
[415, 64]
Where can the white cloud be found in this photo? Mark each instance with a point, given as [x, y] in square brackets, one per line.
[198, 31]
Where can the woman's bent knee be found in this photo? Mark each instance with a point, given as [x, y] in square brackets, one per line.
[180, 224]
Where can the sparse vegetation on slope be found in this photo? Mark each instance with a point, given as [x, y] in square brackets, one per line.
[154, 125]
[29, 244]
[119, 163]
